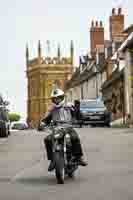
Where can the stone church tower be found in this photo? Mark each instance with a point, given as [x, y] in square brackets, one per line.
[43, 73]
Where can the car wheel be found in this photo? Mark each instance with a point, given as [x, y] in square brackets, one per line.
[4, 132]
[108, 125]
[9, 132]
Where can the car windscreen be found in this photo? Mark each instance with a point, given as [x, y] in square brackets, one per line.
[92, 104]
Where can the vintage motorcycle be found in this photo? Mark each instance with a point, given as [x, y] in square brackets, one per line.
[65, 164]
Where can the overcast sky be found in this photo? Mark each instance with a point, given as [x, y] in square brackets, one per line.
[28, 21]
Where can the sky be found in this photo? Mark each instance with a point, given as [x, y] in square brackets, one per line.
[58, 21]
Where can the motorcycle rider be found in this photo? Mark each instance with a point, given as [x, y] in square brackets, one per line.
[59, 112]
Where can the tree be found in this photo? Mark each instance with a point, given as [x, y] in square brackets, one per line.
[14, 117]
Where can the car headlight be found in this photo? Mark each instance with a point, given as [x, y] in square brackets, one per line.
[58, 133]
[90, 113]
[83, 111]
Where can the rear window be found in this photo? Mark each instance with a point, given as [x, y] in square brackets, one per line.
[92, 104]
[18, 126]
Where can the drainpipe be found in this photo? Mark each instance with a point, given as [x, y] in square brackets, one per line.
[97, 84]
[82, 95]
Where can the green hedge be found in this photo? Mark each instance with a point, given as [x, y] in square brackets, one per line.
[14, 117]
[120, 126]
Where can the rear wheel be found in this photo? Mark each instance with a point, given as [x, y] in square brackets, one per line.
[59, 167]
[71, 174]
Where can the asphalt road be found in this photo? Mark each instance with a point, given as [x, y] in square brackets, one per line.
[108, 176]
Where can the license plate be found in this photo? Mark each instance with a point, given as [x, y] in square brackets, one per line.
[58, 147]
[94, 117]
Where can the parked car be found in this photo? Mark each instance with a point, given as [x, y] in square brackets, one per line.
[93, 111]
[4, 122]
[18, 126]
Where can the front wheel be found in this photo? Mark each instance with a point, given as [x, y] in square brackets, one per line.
[59, 167]
[71, 174]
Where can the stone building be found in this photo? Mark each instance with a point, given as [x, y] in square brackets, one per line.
[85, 84]
[86, 81]
[117, 88]
[126, 54]
[105, 72]
[42, 74]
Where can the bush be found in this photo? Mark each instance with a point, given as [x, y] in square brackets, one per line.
[14, 117]
[120, 126]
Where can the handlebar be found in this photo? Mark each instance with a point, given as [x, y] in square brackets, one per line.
[61, 122]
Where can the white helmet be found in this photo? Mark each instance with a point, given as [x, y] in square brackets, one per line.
[57, 93]
[57, 97]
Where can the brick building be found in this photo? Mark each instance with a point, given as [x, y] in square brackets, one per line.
[96, 37]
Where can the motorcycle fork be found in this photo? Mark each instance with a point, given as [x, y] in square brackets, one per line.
[65, 152]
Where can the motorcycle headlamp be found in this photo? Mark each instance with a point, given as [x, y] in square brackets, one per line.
[68, 138]
[58, 134]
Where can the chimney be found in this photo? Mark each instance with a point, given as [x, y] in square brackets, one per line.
[92, 23]
[113, 11]
[101, 24]
[119, 11]
[96, 36]
[116, 21]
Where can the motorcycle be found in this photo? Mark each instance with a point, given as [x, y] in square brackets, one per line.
[64, 162]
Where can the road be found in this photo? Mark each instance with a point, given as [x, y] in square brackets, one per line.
[108, 176]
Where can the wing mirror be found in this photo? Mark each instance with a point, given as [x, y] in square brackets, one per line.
[6, 103]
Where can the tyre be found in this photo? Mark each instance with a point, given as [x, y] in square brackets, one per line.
[59, 167]
[71, 175]
[9, 133]
[108, 125]
[3, 132]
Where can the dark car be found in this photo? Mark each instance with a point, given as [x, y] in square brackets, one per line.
[19, 125]
[4, 122]
[94, 112]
